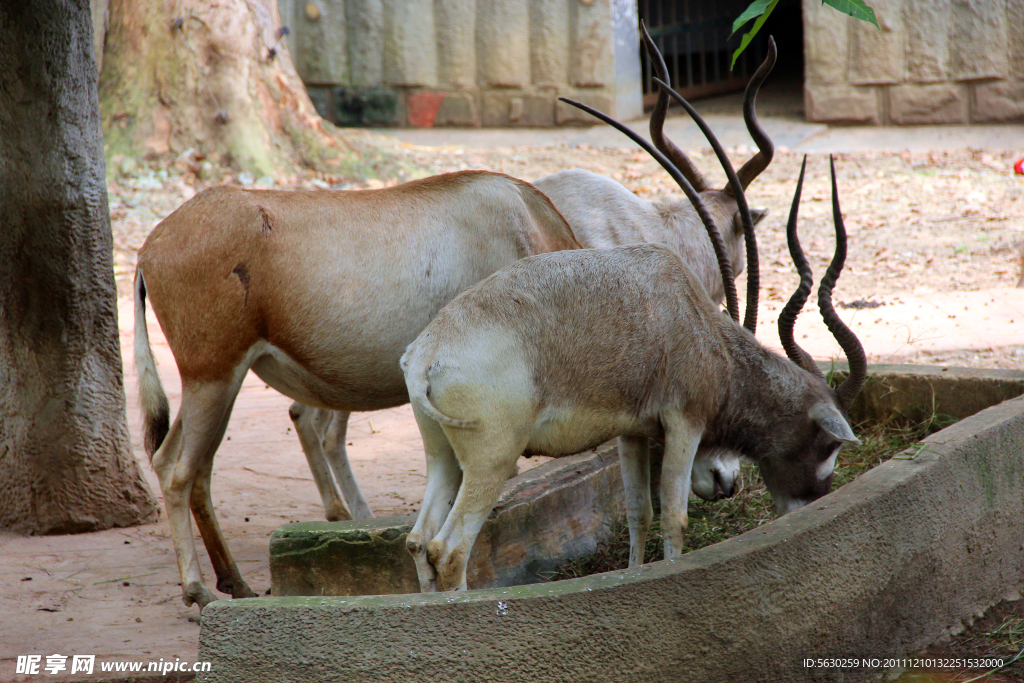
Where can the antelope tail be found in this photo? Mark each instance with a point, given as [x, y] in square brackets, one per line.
[419, 394]
[156, 413]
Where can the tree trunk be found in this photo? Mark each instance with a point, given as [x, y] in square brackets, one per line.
[181, 74]
[66, 463]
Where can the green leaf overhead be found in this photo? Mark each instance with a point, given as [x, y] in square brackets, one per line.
[857, 9]
[761, 9]
[756, 9]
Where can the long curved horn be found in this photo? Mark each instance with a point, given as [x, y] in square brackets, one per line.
[787, 318]
[766, 150]
[848, 390]
[716, 238]
[753, 270]
[665, 146]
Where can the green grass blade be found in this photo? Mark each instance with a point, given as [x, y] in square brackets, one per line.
[749, 35]
[857, 9]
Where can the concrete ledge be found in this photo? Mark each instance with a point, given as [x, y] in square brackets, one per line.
[908, 552]
[917, 391]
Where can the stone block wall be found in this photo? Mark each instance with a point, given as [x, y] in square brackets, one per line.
[465, 62]
[932, 62]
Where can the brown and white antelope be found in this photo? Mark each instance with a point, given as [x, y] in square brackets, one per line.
[560, 352]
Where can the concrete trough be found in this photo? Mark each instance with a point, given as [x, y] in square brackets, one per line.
[562, 510]
[908, 552]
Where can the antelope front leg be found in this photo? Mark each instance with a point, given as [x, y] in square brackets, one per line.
[682, 437]
[635, 464]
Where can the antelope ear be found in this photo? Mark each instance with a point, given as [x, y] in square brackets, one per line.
[832, 422]
[756, 216]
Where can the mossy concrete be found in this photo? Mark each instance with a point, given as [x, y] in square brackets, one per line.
[910, 551]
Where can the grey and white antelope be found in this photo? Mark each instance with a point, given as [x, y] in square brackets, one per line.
[560, 352]
[602, 214]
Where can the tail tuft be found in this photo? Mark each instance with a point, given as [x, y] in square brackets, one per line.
[156, 431]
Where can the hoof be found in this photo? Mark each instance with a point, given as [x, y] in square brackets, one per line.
[454, 586]
[236, 588]
[197, 593]
[451, 571]
[435, 551]
[362, 512]
[245, 592]
[338, 512]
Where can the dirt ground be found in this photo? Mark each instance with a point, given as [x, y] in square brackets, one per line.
[917, 223]
[923, 227]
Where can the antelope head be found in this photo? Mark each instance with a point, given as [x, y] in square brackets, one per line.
[797, 464]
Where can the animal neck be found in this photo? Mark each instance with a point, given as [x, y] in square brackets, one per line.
[760, 399]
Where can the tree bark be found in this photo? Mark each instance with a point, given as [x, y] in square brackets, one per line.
[181, 74]
[66, 463]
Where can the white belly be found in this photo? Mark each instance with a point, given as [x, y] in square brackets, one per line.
[564, 431]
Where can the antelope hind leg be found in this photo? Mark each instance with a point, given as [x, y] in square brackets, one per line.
[175, 491]
[444, 476]
[486, 457]
[192, 438]
[229, 579]
[310, 426]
